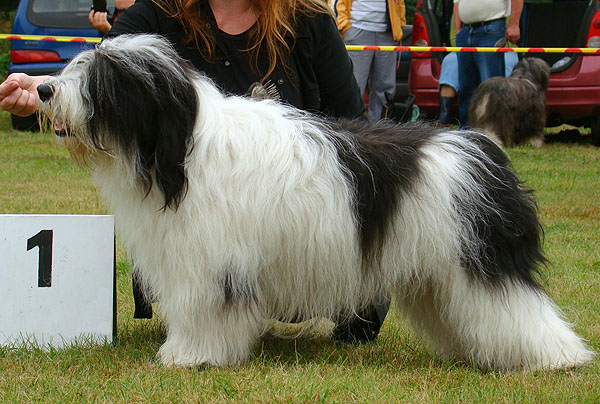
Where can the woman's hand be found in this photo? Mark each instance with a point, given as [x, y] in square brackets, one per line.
[18, 93]
[99, 20]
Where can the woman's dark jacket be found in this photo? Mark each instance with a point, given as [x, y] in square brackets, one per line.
[321, 78]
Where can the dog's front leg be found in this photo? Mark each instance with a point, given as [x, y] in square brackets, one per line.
[215, 334]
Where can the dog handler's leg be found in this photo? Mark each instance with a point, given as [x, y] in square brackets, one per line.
[366, 326]
[143, 307]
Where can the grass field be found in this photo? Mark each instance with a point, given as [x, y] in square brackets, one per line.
[37, 177]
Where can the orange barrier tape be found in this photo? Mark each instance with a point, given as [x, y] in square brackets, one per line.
[592, 51]
[420, 49]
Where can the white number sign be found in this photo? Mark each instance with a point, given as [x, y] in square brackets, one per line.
[57, 279]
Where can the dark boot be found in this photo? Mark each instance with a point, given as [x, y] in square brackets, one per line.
[143, 308]
[445, 116]
[365, 327]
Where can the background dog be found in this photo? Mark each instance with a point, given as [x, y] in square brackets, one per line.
[512, 110]
[239, 211]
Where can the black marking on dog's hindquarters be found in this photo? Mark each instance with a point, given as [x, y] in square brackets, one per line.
[237, 291]
[382, 165]
[505, 224]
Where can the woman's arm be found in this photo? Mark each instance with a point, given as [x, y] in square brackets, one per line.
[340, 95]
[140, 18]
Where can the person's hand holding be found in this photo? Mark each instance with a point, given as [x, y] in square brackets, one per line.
[99, 20]
[513, 33]
[18, 94]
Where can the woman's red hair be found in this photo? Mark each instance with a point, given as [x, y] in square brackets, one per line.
[275, 22]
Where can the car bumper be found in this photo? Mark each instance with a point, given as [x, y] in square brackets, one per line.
[36, 69]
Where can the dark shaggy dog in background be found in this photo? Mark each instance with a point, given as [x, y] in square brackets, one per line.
[512, 109]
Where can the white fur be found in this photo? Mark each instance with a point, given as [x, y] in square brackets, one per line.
[269, 204]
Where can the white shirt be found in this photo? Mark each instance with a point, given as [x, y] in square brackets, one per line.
[472, 11]
[369, 15]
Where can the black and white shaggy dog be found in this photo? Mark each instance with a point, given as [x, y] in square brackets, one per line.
[239, 211]
[512, 110]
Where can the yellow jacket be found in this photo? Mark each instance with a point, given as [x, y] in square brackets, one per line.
[396, 9]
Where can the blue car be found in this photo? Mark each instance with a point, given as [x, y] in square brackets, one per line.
[48, 18]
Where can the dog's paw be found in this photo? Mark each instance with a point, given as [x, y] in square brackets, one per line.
[537, 141]
[171, 355]
[175, 353]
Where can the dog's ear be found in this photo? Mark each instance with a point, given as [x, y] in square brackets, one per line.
[539, 71]
[542, 73]
[147, 105]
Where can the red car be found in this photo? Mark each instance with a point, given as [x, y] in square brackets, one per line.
[573, 96]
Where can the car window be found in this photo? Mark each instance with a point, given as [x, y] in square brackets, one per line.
[61, 13]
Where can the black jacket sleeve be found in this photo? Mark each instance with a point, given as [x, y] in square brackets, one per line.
[137, 19]
[325, 69]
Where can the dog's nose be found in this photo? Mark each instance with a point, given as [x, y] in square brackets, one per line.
[45, 92]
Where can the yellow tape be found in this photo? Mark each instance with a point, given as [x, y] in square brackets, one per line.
[51, 38]
[590, 51]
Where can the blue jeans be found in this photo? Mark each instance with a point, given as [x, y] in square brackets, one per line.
[449, 72]
[475, 67]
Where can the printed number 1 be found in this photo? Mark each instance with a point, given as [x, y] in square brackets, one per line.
[43, 240]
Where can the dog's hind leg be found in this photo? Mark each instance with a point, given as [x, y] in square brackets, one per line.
[513, 326]
[420, 306]
[507, 328]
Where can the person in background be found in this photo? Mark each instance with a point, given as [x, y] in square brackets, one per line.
[482, 23]
[101, 21]
[372, 22]
[292, 46]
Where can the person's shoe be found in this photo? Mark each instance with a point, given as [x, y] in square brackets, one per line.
[363, 328]
[445, 116]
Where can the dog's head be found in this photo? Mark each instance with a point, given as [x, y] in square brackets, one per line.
[132, 98]
[534, 69]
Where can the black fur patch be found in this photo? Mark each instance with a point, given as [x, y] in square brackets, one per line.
[237, 291]
[154, 118]
[389, 168]
[507, 225]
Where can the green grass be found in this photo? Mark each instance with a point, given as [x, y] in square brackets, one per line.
[38, 177]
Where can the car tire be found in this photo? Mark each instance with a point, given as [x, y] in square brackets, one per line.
[25, 123]
[595, 129]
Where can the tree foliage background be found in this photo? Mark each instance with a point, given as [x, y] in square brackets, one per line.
[410, 10]
[8, 5]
